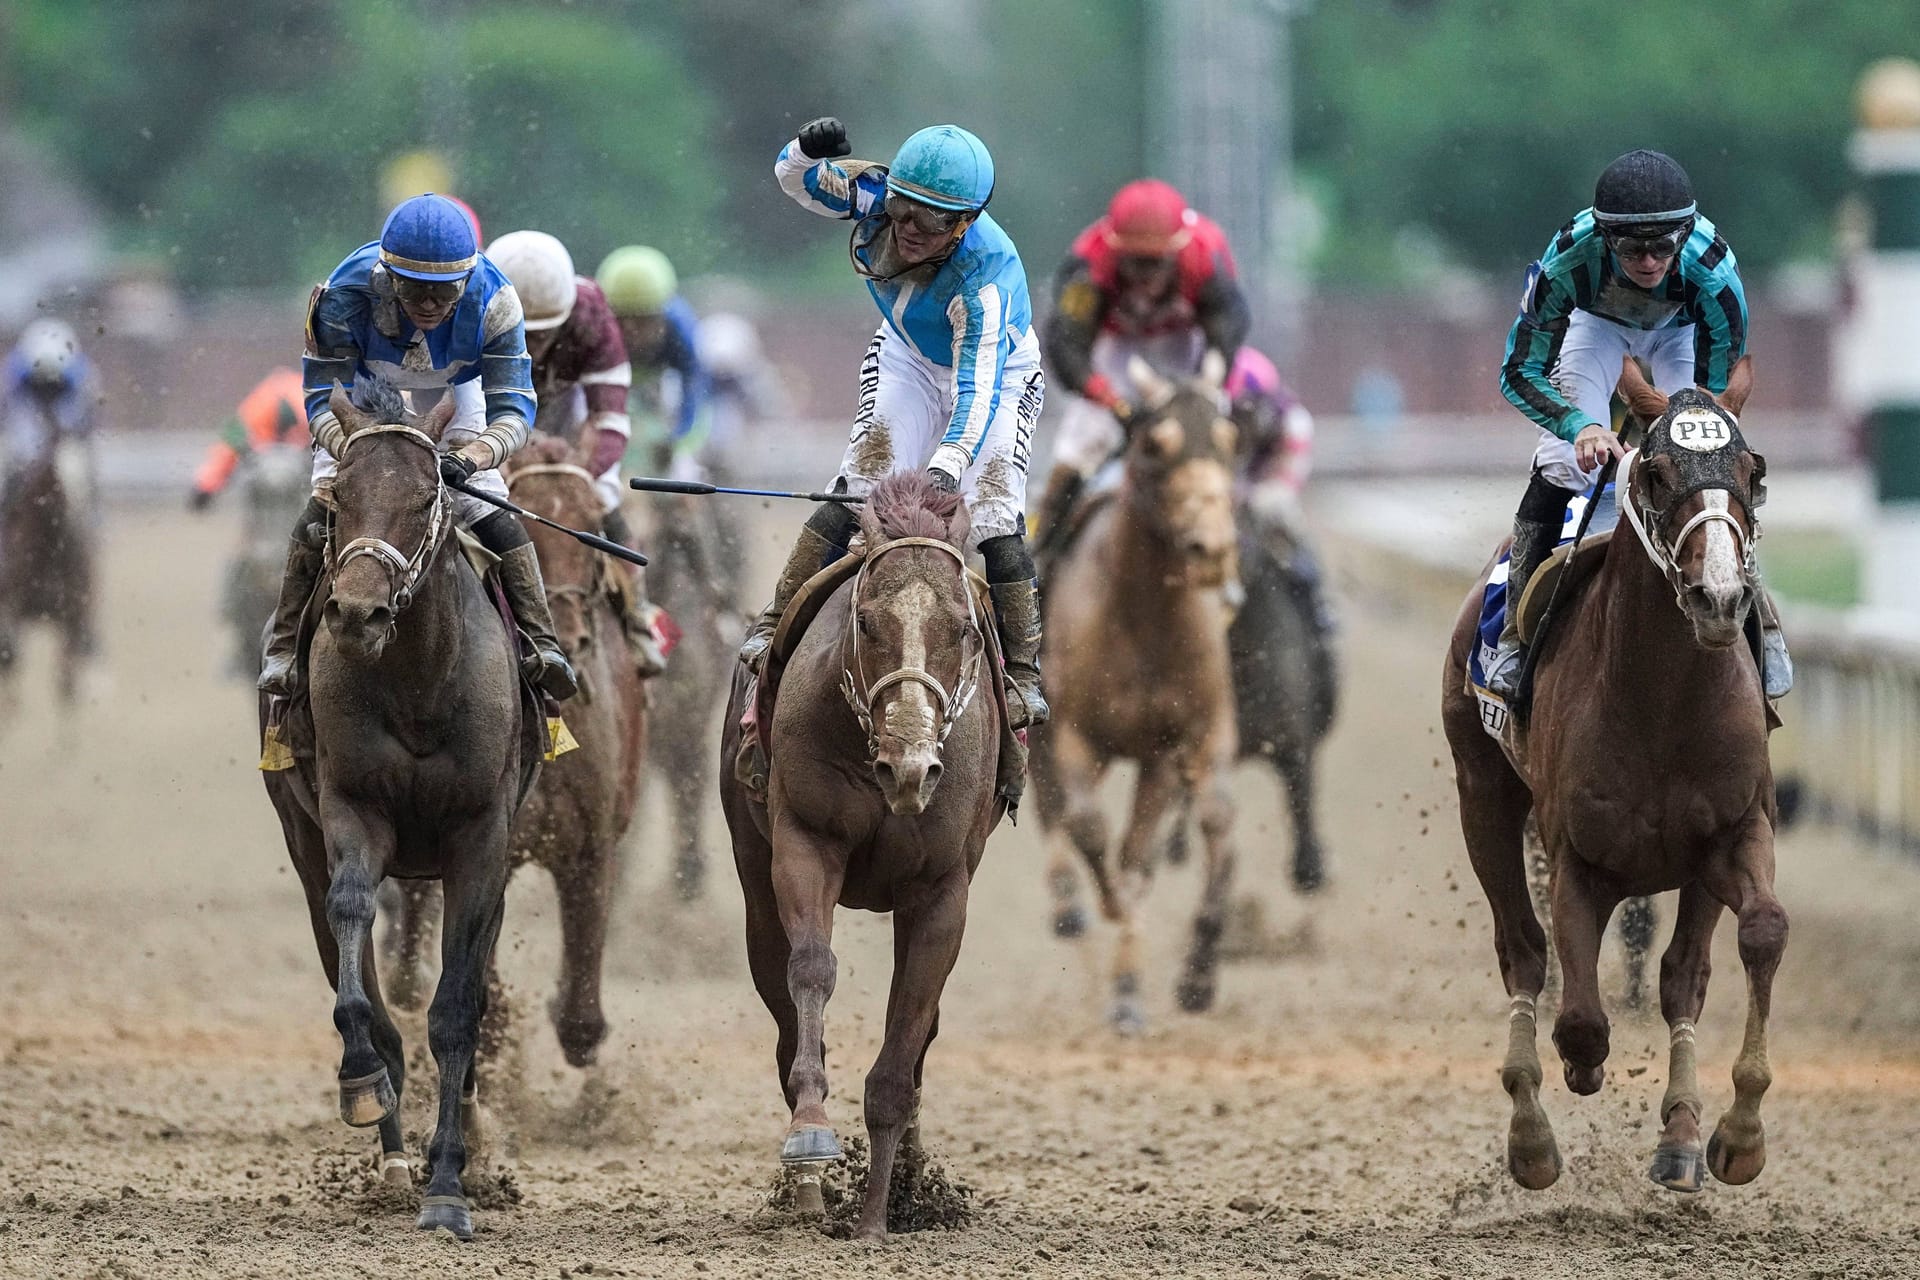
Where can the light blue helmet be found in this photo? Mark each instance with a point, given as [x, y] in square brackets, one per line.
[944, 166]
[429, 238]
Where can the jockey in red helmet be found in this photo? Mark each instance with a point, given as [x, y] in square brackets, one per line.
[1152, 278]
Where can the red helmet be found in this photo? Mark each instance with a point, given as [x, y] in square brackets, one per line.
[1149, 218]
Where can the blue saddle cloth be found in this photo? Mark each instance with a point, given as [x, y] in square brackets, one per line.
[1493, 603]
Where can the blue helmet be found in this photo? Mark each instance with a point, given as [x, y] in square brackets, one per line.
[429, 238]
[944, 166]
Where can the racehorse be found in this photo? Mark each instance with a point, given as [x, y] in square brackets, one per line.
[574, 819]
[880, 795]
[1646, 765]
[46, 566]
[1139, 668]
[275, 483]
[419, 759]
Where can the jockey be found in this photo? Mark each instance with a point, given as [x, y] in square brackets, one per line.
[951, 381]
[662, 335]
[1639, 274]
[582, 377]
[48, 396]
[273, 415]
[1276, 449]
[424, 308]
[1151, 278]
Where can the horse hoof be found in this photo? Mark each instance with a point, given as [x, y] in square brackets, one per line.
[1536, 1172]
[807, 1198]
[1070, 922]
[450, 1212]
[1735, 1168]
[395, 1171]
[1533, 1157]
[1126, 1017]
[1196, 992]
[1309, 876]
[368, 1100]
[810, 1144]
[1679, 1169]
[1584, 1080]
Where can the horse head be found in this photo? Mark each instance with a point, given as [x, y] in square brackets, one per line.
[1179, 461]
[914, 640]
[1692, 490]
[550, 477]
[387, 495]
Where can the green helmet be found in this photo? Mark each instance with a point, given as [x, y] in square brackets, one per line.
[638, 280]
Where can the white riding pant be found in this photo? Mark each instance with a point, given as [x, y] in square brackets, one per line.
[1089, 433]
[1587, 372]
[469, 420]
[906, 404]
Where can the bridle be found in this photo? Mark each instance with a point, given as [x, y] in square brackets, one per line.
[562, 590]
[403, 570]
[949, 705]
[1650, 524]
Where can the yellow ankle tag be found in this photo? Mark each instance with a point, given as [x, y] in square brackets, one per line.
[275, 755]
[558, 735]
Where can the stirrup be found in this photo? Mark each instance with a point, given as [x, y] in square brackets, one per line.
[1503, 672]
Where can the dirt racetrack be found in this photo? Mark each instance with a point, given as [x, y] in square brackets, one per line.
[167, 1054]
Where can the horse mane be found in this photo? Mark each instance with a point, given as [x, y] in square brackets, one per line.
[544, 448]
[907, 504]
[381, 401]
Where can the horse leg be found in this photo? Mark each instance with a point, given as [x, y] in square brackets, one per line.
[585, 891]
[1679, 1163]
[1073, 779]
[932, 927]
[1636, 932]
[358, 847]
[1737, 1152]
[1296, 770]
[405, 942]
[1200, 979]
[807, 874]
[1156, 794]
[1580, 912]
[1494, 803]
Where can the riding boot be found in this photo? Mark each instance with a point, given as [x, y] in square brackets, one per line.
[638, 619]
[1016, 610]
[1532, 540]
[1056, 508]
[280, 663]
[808, 556]
[1776, 664]
[547, 665]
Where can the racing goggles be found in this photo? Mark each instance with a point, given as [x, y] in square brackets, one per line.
[924, 217]
[1645, 242]
[434, 293]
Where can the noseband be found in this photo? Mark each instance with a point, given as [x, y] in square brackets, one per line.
[1650, 524]
[948, 705]
[404, 570]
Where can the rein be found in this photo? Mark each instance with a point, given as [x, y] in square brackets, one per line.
[949, 705]
[404, 570]
[565, 590]
[1648, 525]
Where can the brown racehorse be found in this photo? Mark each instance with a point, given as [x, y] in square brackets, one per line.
[418, 763]
[1646, 765]
[880, 796]
[46, 568]
[573, 821]
[1138, 668]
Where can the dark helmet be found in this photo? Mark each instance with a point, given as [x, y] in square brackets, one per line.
[1643, 194]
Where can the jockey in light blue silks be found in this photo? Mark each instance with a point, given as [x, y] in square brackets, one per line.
[424, 309]
[951, 381]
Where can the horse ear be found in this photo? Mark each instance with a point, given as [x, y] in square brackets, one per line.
[1213, 368]
[1151, 386]
[437, 418]
[342, 405]
[960, 525]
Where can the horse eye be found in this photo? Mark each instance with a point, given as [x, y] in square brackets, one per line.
[866, 623]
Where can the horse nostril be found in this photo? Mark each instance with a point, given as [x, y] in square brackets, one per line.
[883, 774]
[933, 777]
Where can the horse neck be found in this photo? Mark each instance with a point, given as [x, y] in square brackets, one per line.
[1647, 642]
[1144, 557]
[429, 640]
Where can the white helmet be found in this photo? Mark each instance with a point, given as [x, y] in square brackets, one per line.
[541, 271]
[729, 344]
[47, 349]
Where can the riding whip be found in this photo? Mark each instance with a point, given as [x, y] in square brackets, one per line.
[652, 484]
[604, 545]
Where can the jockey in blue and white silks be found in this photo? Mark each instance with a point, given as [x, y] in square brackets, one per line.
[951, 381]
[48, 396]
[423, 309]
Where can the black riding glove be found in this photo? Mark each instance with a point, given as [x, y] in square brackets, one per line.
[456, 470]
[943, 481]
[199, 500]
[824, 139]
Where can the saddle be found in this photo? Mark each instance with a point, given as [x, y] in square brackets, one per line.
[1540, 587]
[756, 721]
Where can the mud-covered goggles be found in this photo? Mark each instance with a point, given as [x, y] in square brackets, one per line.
[924, 217]
[1647, 242]
[428, 292]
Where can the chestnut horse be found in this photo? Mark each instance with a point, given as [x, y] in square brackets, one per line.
[1646, 765]
[418, 764]
[1139, 668]
[880, 795]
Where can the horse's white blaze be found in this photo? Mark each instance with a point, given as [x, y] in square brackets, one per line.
[1720, 573]
[910, 712]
